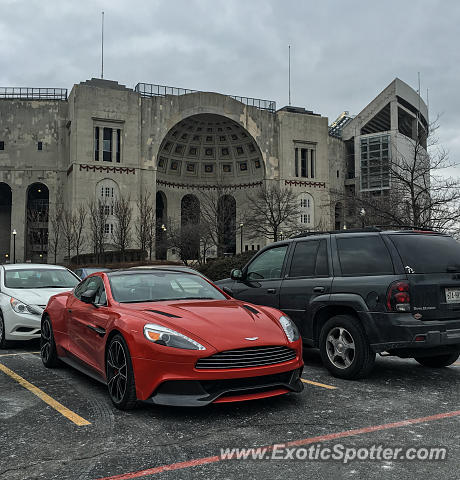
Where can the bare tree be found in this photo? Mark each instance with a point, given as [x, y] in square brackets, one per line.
[97, 223]
[121, 236]
[419, 193]
[55, 233]
[37, 229]
[218, 216]
[145, 223]
[79, 227]
[68, 222]
[272, 210]
[190, 241]
[178, 238]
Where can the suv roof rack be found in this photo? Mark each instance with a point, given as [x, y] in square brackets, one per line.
[406, 227]
[348, 230]
[376, 228]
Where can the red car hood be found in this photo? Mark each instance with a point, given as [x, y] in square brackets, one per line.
[223, 324]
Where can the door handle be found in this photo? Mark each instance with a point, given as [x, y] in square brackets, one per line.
[319, 289]
[271, 290]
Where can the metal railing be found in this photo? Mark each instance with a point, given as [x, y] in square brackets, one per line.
[151, 90]
[31, 93]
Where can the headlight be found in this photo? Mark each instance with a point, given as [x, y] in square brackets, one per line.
[21, 307]
[289, 328]
[170, 338]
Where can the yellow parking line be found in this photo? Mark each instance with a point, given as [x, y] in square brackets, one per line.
[316, 384]
[15, 354]
[73, 417]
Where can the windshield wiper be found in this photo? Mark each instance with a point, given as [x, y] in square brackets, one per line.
[167, 299]
[55, 286]
[196, 298]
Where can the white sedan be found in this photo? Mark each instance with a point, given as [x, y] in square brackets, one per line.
[24, 292]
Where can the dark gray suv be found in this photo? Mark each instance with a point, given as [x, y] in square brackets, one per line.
[356, 293]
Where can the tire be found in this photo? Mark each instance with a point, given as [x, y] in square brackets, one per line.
[48, 352]
[120, 375]
[438, 361]
[3, 343]
[344, 348]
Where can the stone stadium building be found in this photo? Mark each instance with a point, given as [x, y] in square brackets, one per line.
[103, 140]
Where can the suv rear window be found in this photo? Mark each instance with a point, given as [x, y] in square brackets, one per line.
[309, 259]
[364, 256]
[428, 253]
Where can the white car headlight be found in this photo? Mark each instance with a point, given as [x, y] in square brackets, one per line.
[290, 329]
[21, 307]
[170, 338]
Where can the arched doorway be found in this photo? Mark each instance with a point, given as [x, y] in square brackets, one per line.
[190, 219]
[226, 213]
[161, 215]
[5, 222]
[37, 211]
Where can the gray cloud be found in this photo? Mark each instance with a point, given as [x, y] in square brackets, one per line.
[343, 53]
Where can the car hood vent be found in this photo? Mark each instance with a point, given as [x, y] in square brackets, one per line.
[170, 315]
[251, 309]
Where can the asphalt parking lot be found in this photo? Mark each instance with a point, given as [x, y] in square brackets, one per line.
[61, 425]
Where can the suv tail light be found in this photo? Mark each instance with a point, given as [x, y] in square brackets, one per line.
[398, 297]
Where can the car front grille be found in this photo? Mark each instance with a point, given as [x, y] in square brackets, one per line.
[247, 357]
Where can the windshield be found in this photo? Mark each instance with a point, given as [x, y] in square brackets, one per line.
[428, 253]
[161, 286]
[39, 278]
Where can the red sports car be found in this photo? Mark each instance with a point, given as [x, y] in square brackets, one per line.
[171, 338]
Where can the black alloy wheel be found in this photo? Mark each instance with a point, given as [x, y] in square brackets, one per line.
[120, 376]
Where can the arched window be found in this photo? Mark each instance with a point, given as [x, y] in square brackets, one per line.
[307, 211]
[107, 192]
[190, 218]
[37, 222]
[226, 212]
[5, 221]
[161, 216]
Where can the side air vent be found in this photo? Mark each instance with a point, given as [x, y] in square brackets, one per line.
[170, 315]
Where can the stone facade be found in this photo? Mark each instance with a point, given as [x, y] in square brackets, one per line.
[106, 139]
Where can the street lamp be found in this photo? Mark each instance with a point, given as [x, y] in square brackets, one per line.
[362, 214]
[281, 236]
[241, 237]
[6, 258]
[14, 245]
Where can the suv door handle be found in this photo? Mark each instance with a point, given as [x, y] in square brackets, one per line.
[271, 290]
[319, 289]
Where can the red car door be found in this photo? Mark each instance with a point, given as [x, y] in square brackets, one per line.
[88, 324]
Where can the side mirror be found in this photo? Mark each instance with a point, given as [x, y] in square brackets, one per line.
[236, 274]
[88, 296]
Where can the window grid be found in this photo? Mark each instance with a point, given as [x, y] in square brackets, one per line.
[375, 163]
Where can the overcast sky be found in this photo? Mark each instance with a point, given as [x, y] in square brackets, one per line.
[343, 52]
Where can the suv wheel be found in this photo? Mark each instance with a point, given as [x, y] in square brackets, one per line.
[3, 343]
[438, 360]
[344, 348]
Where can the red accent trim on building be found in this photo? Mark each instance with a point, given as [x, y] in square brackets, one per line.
[107, 169]
[302, 183]
[208, 187]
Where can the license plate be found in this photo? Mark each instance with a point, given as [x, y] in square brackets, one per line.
[453, 295]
